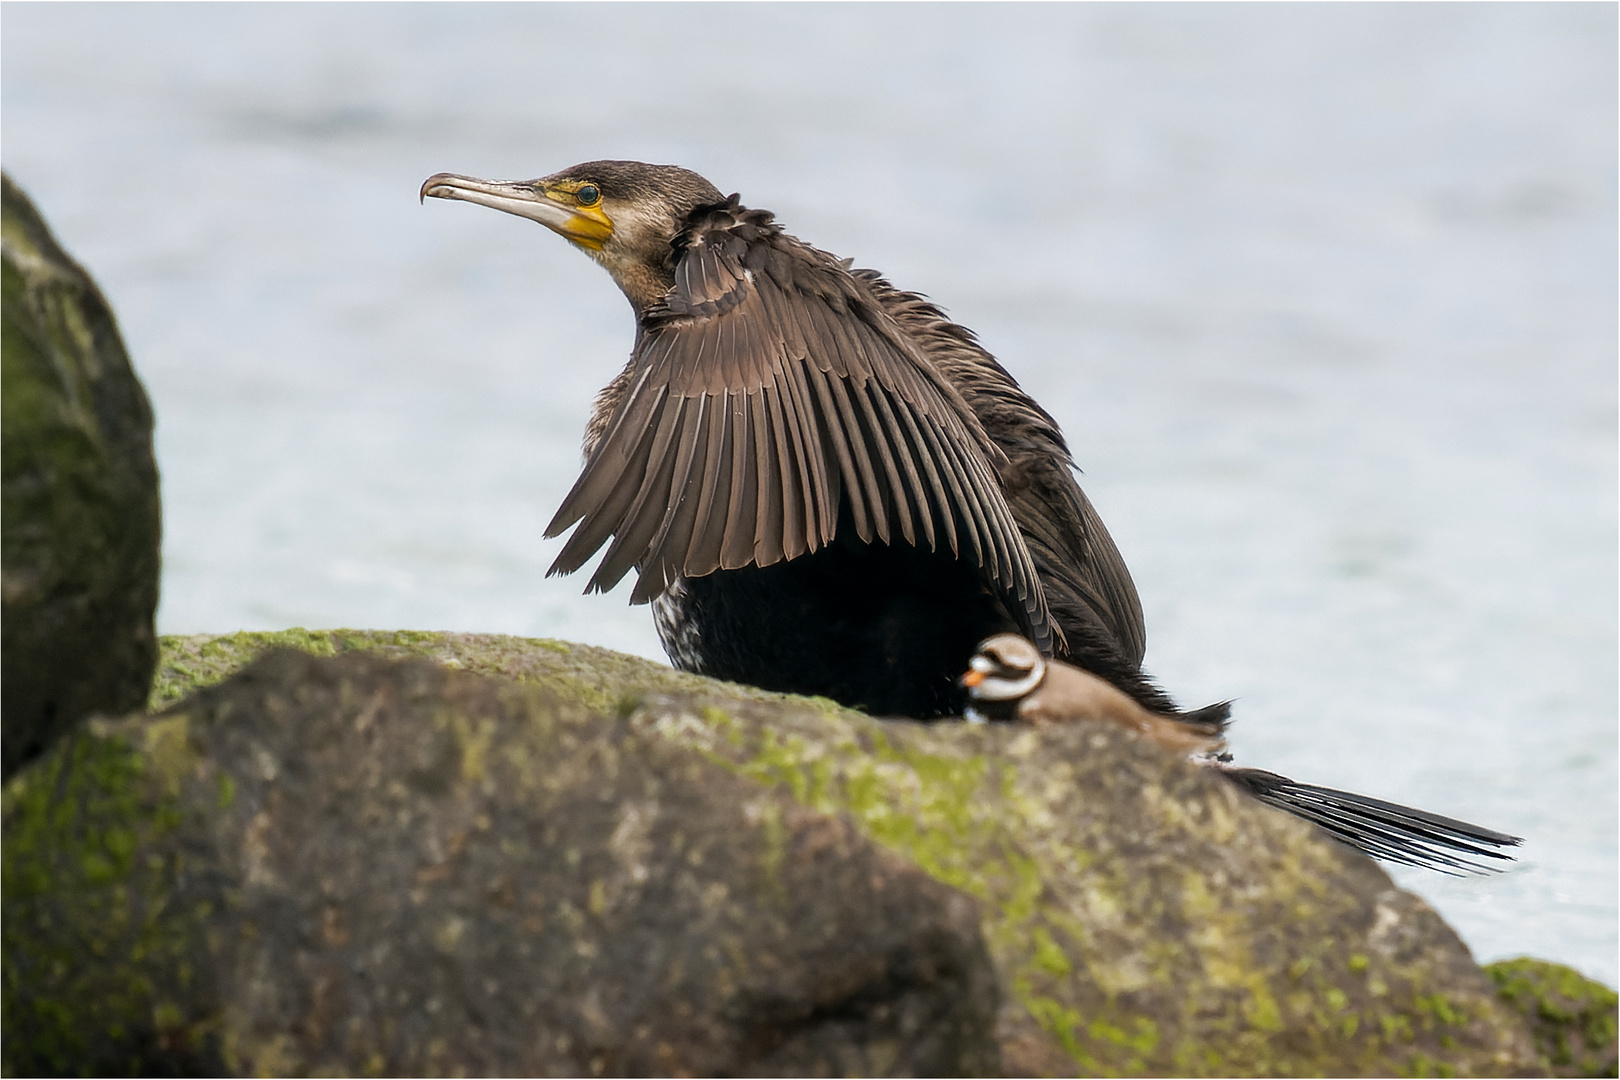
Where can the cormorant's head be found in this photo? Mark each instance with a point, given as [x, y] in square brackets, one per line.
[623, 214]
[1004, 670]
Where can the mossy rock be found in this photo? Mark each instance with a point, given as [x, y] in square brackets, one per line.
[1144, 917]
[594, 677]
[1574, 1018]
[79, 514]
[352, 864]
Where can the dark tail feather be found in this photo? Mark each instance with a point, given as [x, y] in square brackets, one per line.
[1211, 719]
[1382, 829]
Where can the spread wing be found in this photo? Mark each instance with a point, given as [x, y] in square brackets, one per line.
[1087, 587]
[766, 388]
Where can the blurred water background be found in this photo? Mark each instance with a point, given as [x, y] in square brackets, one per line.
[1324, 296]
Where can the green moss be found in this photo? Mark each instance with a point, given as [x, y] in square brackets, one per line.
[775, 854]
[74, 882]
[1061, 1021]
[1573, 1018]
[1424, 1065]
[1048, 957]
[187, 664]
[597, 679]
[1437, 1007]
[1397, 1028]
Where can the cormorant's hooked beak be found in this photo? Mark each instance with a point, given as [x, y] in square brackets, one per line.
[557, 210]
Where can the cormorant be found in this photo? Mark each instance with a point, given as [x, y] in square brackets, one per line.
[1009, 679]
[825, 485]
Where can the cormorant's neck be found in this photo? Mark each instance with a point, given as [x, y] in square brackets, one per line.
[642, 284]
[645, 288]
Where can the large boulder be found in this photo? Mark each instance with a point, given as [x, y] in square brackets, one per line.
[356, 865]
[79, 516]
[359, 865]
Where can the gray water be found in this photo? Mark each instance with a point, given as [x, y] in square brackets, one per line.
[1324, 296]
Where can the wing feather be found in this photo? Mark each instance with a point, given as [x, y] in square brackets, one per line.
[741, 532]
[831, 349]
[611, 503]
[879, 435]
[821, 492]
[689, 278]
[810, 446]
[798, 504]
[922, 479]
[641, 519]
[967, 508]
[766, 387]
[850, 434]
[832, 432]
[776, 518]
[670, 544]
[626, 428]
[784, 320]
[948, 489]
[714, 483]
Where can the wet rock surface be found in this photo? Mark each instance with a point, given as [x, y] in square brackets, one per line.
[333, 864]
[79, 517]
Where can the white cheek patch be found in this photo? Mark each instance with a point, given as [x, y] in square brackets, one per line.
[632, 220]
[994, 689]
[630, 223]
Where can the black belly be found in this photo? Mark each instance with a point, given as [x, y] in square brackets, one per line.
[885, 629]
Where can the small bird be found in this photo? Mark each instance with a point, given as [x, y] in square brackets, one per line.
[824, 485]
[1009, 680]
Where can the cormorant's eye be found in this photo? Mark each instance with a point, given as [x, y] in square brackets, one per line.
[588, 195]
